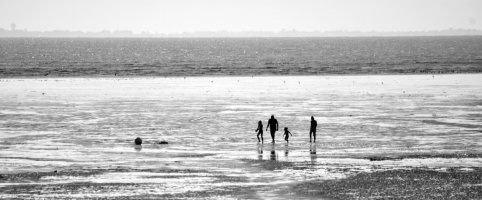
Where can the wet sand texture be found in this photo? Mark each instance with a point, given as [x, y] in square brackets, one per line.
[400, 184]
[73, 137]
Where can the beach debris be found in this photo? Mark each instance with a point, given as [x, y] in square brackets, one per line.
[138, 141]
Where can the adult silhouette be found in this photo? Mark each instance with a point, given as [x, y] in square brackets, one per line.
[273, 126]
[313, 126]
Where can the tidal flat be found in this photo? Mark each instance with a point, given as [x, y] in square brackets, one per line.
[378, 137]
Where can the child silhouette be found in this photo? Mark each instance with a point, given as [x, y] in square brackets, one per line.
[286, 134]
[260, 131]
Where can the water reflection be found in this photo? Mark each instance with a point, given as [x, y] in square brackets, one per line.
[138, 147]
[287, 151]
[313, 153]
[260, 152]
[273, 155]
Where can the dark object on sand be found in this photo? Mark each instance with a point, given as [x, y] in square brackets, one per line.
[381, 158]
[138, 141]
[163, 142]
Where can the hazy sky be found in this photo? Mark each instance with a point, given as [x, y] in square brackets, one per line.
[174, 16]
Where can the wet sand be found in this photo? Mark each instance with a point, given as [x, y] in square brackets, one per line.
[74, 137]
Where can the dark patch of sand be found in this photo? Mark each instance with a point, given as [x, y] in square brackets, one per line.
[35, 176]
[269, 164]
[39, 159]
[417, 183]
[29, 189]
[195, 155]
[28, 192]
[424, 156]
[451, 124]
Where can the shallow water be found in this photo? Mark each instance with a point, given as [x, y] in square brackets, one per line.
[90, 123]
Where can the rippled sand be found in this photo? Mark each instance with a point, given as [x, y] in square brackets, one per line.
[73, 137]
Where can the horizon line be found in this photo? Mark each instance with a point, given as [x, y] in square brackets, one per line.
[226, 33]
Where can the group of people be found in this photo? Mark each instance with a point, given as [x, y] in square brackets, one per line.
[273, 127]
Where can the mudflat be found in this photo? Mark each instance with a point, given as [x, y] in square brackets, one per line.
[378, 136]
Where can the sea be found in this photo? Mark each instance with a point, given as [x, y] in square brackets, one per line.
[60, 57]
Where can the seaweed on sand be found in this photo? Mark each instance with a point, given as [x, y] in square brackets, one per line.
[399, 184]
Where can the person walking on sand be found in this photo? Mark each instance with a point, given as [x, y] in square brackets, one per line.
[314, 124]
[260, 131]
[286, 135]
[273, 126]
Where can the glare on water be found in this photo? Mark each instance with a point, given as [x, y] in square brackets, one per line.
[209, 123]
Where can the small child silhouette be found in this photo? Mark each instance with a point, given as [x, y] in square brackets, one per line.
[260, 131]
[286, 134]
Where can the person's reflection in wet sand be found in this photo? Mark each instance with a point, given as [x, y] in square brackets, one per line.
[313, 154]
[260, 151]
[287, 150]
[273, 155]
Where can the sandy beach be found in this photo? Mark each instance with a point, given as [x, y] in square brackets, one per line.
[379, 136]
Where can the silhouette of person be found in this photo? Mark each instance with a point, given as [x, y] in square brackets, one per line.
[273, 126]
[260, 131]
[285, 134]
[314, 124]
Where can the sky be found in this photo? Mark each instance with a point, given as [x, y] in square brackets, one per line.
[177, 16]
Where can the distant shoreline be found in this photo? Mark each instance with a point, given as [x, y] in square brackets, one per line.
[157, 72]
[226, 76]
[236, 37]
[241, 34]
